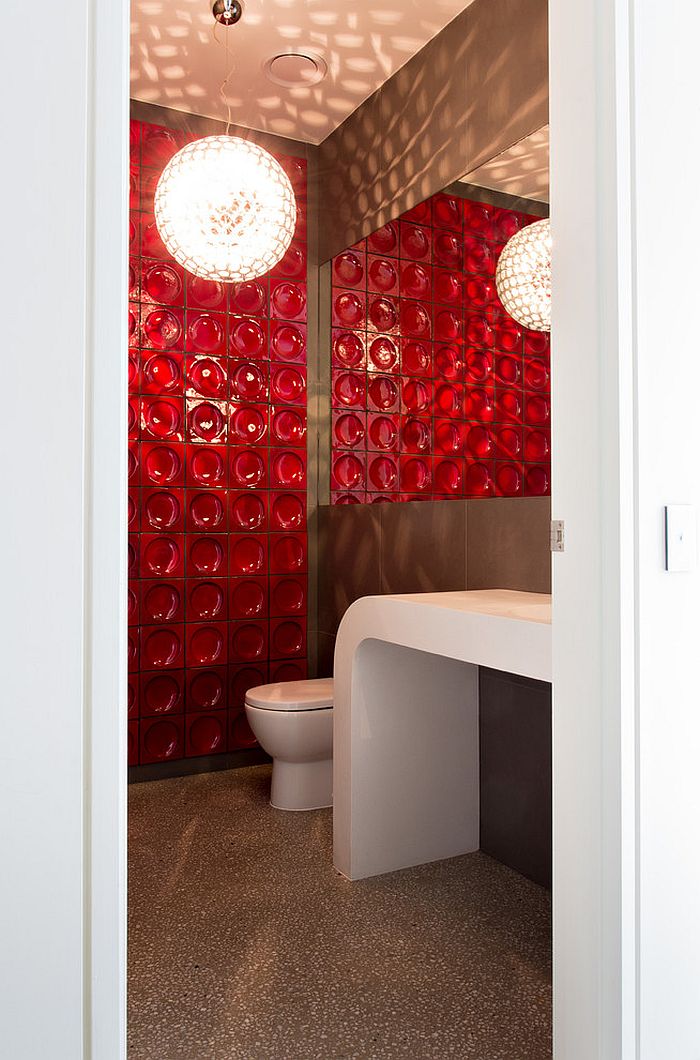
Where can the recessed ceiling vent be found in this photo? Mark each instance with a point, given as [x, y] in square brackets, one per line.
[296, 69]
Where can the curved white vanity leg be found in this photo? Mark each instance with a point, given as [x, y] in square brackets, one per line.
[406, 751]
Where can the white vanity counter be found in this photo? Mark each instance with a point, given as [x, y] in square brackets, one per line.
[406, 719]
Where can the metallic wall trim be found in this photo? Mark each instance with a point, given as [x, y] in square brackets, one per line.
[477, 88]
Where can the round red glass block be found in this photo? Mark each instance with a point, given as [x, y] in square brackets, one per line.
[416, 396]
[288, 343]
[480, 291]
[248, 383]
[161, 648]
[448, 326]
[349, 388]
[206, 691]
[206, 647]
[383, 354]
[206, 511]
[383, 314]
[162, 329]
[162, 283]
[287, 555]
[383, 473]
[349, 430]
[448, 362]
[479, 442]
[415, 359]
[289, 470]
[247, 469]
[247, 556]
[161, 372]
[206, 735]
[249, 297]
[162, 510]
[162, 419]
[161, 740]
[287, 512]
[248, 643]
[348, 471]
[537, 410]
[209, 294]
[383, 275]
[205, 333]
[248, 600]
[247, 513]
[207, 377]
[293, 264]
[415, 320]
[509, 480]
[536, 446]
[161, 603]
[537, 481]
[207, 467]
[448, 477]
[288, 300]
[160, 695]
[448, 438]
[347, 269]
[415, 281]
[161, 556]
[447, 211]
[414, 242]
[248, 425]
[416, 436]
[477, 480]
[248, 339]
[288, 596]
[384, 240]
[287, 639]
[448, 400]
[415, 476]
[162, 464]
[206, 556]
[536, 374]
[206, 421]
[348, 350]
[349, 309]
[288, 427]
[383, 392]
[448, 250]
[508, 370]
[383, 432]
[207, 601]
[509, 441]
[288, 385]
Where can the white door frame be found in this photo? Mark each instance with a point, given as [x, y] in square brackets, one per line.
[65, 992]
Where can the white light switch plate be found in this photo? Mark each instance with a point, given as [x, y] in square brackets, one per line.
[681, 537]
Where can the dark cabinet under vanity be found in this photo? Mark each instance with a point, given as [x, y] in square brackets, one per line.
[516, 772]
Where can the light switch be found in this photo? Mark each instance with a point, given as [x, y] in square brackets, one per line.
[681, 537]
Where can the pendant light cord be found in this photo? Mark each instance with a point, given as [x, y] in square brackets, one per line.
[229, 68]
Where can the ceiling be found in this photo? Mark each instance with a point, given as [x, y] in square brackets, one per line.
[522, 170]
[178, 56]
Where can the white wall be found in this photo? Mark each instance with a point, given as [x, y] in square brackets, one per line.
[625, 161]
[62, 183]
[667, 162]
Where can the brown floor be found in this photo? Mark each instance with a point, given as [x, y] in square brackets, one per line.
[244, 943]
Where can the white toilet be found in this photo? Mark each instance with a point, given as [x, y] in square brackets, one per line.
[293, 722]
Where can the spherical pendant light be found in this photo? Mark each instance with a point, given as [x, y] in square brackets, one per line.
[225, 209]
[524, 276]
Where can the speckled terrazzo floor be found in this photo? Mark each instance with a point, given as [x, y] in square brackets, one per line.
[244, 943]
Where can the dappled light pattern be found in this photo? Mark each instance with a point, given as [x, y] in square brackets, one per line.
[179, 57]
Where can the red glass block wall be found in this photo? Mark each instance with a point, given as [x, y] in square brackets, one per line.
[436, 392]
[217, 477]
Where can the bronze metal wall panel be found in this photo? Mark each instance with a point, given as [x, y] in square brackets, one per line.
[477, 88]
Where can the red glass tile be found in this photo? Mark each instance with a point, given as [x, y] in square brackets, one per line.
[162, 739]
[205, 734]
[161, 693]
[206, 689]
[206, 600]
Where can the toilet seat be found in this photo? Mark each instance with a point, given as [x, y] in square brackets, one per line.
[316, 694]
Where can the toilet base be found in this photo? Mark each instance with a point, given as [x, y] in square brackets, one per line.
[302, 785]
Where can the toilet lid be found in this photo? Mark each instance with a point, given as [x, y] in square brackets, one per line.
[293, 695]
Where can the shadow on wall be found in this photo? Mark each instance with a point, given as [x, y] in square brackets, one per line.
[427, 546]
